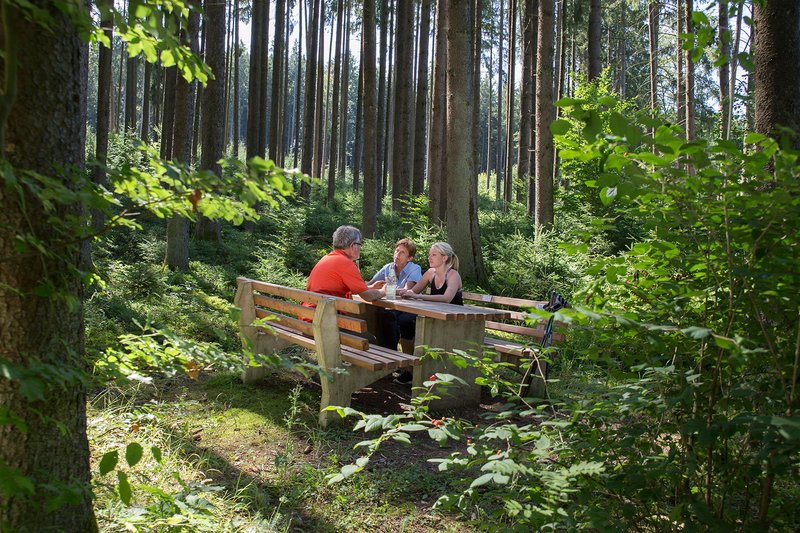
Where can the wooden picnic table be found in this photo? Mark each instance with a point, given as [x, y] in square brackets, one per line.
[448, 327]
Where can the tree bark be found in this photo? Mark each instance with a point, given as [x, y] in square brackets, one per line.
[462, 208]
[652, 27]
[403, 104]
[337, 66]
[44, 133]
[724, 37]
[544, 117]
[254, 110]
[213, 105]
[690, 124]
[508, 174]
[276, 111]
[437, 155]
[777, 76]
[307, 156]
[104, 80]
[528, 26]
[177, 254]
[593, 44]
[345, 98]
[370, 205]
[420, 138]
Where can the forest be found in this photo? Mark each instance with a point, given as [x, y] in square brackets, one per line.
[637, 157]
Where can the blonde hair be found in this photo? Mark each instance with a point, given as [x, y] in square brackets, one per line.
[447, 250]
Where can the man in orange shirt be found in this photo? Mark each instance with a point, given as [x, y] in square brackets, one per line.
[337, 274]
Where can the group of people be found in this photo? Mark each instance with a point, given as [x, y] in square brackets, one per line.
[337, 274]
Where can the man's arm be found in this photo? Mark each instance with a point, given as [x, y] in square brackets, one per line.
[370, 295]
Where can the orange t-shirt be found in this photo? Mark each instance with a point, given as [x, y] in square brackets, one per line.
[336, 275]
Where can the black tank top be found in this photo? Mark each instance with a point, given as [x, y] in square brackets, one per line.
[458, 299]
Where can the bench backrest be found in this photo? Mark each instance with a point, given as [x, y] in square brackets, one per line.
[516, 324]
[282, 306]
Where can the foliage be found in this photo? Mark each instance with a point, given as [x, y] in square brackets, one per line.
[697, 328]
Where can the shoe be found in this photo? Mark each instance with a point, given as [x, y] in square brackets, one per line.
[405, 378]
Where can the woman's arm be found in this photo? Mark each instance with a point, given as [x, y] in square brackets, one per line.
[413, 292]
[453, 285]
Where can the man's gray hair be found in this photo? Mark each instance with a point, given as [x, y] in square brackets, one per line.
[344, 236]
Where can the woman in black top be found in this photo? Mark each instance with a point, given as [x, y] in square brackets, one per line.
[443, 277]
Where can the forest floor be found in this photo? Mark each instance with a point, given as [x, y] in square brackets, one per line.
[258, 456]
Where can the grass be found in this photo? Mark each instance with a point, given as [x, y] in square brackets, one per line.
[239, 458]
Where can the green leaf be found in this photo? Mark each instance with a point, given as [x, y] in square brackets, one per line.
[156, 453]
[560, 127]
[618, 123]
[124, 488]
[109, 462]
[482, 480]
[696, 332]
[133, 453]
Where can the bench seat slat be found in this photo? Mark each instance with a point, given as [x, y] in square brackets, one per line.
[503, 300]
[287, 334]
[301, 311]
[361, 359]
[403, 360]
[506, 347]
[342, 304]
[307, 328]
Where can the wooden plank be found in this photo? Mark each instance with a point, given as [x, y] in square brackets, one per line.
[506, 347]
[377, 357]
[536, 333]
[288, 335]
[341, 304]
[307, 328]
[403, 359]
[361, 359]
[503, 300]
[301, 311]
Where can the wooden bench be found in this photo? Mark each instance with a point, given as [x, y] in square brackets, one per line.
[524, 353]
[280, 321]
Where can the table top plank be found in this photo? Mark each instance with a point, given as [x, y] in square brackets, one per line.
[439, 310]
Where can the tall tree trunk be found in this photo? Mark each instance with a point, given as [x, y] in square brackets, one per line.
[420, 139]
[148, 69]
[381, 104]
[528, 26]
[213, 106]
[168, 115]
[358, 142]
[254, 109]
[593, 43]
[489, 103]
[235, 88]
[508, 189]
[177, 254]
[104, 68]
[652, 27]
[777, 76]
[263, 100]
[131, 81]
[276, 118]
[622, 63]
[298, 88]
[437, 155]
[307, 157]
[724, 37]
[544, 117]
[403, 104]
[345, 97]
[462, 208]
[734, 60]
[499, 146]
[337, 65]
[680, 80]
[690, 125]
[370, 205]
[46, 127]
